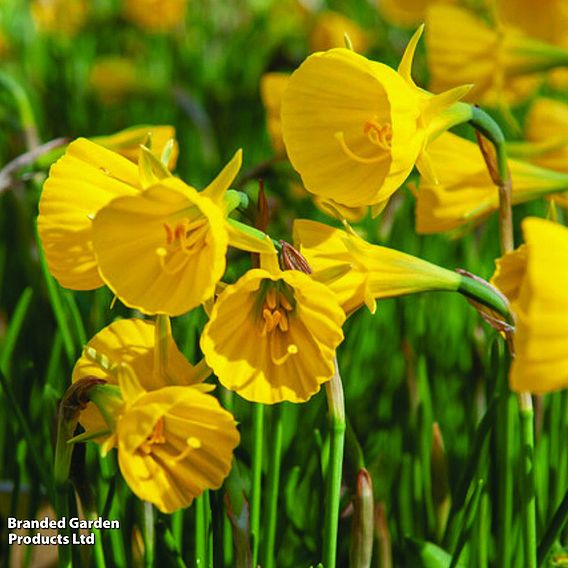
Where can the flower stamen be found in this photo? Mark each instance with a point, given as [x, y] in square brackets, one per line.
[157, 436]
[186, 237]
[381, 157]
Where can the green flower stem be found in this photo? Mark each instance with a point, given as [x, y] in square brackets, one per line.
[149, 531]
[200, 532]
[485, 294]
[336, 408]
[256, 493]
[57, 305]
[499, 172]
[273, 487]
[527, 475]
[489, 128]
[557, 524]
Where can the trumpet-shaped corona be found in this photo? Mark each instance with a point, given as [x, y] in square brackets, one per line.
[535, 278]
[354, 128]
[272, 336]
[172, 239]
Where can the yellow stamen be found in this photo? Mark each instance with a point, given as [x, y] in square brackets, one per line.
[377, 159]
[157, 436]
[193, 443]
[379, 134]
[283, 323]
[290, 350]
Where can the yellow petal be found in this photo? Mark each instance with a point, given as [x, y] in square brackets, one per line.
[405, 65]
[80, 183]
[217, 188]
[541, 363]
[127, 142]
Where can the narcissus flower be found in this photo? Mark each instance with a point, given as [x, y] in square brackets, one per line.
[329, 29]
[355, 128]
[407, 13]
[535, 278]
[131, 342]
[159, 138]
[60, 17]
[546, 130]
[173, 441]
[462, 48]
[115, 78]
[359, 272]
[465, 192]
[173, 444]
[272, 336]
[83, 181]
[156, 16]
[172, 238]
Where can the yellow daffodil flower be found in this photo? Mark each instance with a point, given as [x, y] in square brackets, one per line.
[131, 342]
[173, 441]
[546, 129]
[60, 17]
[156, 16]
[159, 138]
[535, 278]
[173, 444]
[163, 250]
[329, 31]
[359, 272]
[272, 87]
[545, 20]
[407, 13]
[354, 128]
[465, 192]
[80, 183]
[115, 78]
[272, 336]
[461, 47]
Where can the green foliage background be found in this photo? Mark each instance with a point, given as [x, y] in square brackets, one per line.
[420, 360]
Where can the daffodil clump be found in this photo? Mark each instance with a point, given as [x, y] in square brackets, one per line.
[224, 295]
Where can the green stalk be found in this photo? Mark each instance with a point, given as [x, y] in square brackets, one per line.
[256, 493]
[336, 409]
[527, 476]
[273, 482]
[200, 532]
[499, 172]
[57, 306]
[554, 529]
[149, 531]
